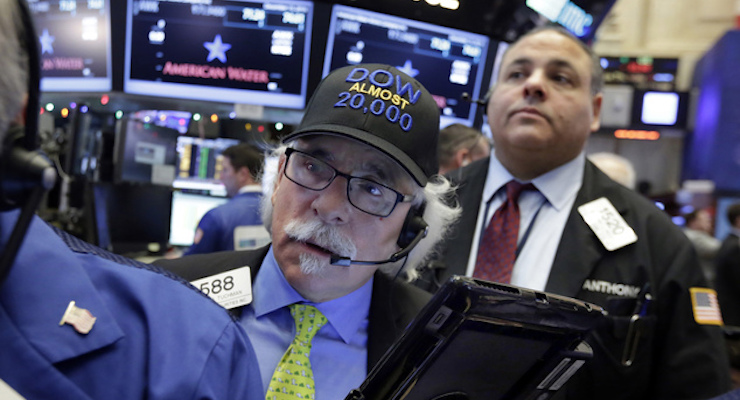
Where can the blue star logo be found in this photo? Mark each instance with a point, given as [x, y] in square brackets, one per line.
[408, 69]
[217, 49]
[46, 41]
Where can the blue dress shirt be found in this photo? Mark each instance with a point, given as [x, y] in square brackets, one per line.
[339, 352]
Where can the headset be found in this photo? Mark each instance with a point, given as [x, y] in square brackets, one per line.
[482, 103]
[25, 174]
[413, 230]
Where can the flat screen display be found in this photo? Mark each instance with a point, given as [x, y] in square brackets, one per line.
[580, 17]
[660, 109]
[130, 216]
[187, 211]
[199, 164]
[228, 51]
[145, 152]
[74, 44]
[448, 62]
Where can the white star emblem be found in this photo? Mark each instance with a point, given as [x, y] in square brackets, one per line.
[217, 49]
[408, 69]
[46, 41]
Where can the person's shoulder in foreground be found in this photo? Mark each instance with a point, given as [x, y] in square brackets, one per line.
[79, 322]
[731, 395]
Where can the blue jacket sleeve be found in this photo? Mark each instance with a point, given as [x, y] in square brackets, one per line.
[231, 371]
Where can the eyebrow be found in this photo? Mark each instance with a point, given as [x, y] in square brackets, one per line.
[386, 172]
[559, 63]
[520, 62]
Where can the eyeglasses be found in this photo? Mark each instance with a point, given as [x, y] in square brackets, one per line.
[366, 195]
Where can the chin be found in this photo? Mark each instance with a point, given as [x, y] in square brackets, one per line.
[314, 265]
[528, 138]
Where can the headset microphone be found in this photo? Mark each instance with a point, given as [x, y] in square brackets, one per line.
[414, 229]
[481, 102]
[346, 261]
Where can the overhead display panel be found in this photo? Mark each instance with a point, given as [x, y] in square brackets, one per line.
[448, 62]
[253, 52]
[74, 44]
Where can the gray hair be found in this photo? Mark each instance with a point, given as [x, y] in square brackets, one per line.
[597, 72]
[616, 167]
[438, 214]
[13, 63]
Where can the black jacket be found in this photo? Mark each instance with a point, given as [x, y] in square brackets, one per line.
[676, 358]
[728, 279]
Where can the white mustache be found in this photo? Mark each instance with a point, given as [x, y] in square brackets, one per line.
[325, 236]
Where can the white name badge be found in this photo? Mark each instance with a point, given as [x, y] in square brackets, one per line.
[7, 392]
[230, 289]
[605, 221]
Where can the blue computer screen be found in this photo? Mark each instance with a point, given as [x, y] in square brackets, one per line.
[448, 62]
[229, 51]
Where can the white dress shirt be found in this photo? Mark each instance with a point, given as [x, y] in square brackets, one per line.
[543, 214]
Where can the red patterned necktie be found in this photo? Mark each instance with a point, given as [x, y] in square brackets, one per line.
[497, 250]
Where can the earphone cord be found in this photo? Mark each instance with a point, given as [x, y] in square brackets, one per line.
[19, 232]
[390, 296]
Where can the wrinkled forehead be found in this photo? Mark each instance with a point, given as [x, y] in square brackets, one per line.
[548, 47]
[354, 157]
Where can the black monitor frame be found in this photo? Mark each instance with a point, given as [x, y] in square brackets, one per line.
[75, 45]
[259, 50]
[448, 62]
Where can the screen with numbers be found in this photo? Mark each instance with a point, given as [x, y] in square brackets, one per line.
[448, 62]
[74, 44]
[231, 51]
[187, 210]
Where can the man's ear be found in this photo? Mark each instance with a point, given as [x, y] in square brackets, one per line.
[460, 156]
[245, 176]
[278, 177]
[596, 121]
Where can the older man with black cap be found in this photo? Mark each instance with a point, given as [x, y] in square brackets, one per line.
[354, 202]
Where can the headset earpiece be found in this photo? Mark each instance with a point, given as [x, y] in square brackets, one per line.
[413, 226]
[22, 168]
[25, 175]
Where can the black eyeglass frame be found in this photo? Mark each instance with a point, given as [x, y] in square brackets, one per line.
[400, 198]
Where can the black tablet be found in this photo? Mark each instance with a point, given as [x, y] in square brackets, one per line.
[479, 340]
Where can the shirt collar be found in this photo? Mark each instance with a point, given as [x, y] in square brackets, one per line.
[250, 189]
[558, 185]
[273, 292]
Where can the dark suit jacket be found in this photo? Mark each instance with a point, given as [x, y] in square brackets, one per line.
[728, 279]
[393, 305]
[676, 357]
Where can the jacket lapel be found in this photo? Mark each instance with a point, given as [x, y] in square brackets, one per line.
[251, 258]
[28, 371]
[471, 182]
[580, 250]
[383, 321]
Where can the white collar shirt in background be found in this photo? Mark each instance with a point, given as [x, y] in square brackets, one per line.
[543, 214]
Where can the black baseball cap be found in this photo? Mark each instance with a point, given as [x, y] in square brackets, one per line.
[381, 106]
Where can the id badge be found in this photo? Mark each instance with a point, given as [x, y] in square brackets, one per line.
[608, 225]
[230, 289]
